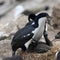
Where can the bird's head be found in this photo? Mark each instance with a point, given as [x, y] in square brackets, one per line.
[44, 14]
[31, 17]
[41, 16]
[48, 20]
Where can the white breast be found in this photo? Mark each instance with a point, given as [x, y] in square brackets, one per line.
[38, 32]
[27, 44]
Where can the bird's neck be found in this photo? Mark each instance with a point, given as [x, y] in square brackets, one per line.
[36, 24]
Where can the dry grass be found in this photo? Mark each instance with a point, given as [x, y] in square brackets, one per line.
[50, 55]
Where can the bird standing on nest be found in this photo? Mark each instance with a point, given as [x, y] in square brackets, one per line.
[43, 19]
[31, 32]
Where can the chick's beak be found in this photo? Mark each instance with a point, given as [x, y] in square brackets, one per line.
[49, 20]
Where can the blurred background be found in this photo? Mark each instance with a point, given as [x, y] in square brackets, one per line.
[14, 15]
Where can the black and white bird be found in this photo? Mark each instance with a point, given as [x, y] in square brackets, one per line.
[57, 55]
[42, 19]
[31, 32]
[23, 35]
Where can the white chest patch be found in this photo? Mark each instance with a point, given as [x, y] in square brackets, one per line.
[33, 23]
[38, 32]
[27, 44]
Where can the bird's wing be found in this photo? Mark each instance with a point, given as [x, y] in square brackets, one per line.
[24, 32]
[29, 23]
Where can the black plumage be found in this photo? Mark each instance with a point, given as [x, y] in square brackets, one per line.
[23, 35]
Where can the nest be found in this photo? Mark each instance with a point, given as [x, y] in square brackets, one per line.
[48, 55]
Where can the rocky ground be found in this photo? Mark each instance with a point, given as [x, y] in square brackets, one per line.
[9, 25]
[5, 45]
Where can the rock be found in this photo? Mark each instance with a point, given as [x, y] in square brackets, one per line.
[5, 6]
[9, 27]
[35, 10]
[56, 16]
[50, 55]
[3, 35]
[7, 30]
[5, 48]
[13, 58]
[20, 0]
[1, 3]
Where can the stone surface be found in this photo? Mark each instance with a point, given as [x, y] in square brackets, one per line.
[50, 55]
[4, 8]
[9, 25]
[56, 16]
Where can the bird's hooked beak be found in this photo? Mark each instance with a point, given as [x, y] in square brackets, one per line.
[49, 18]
